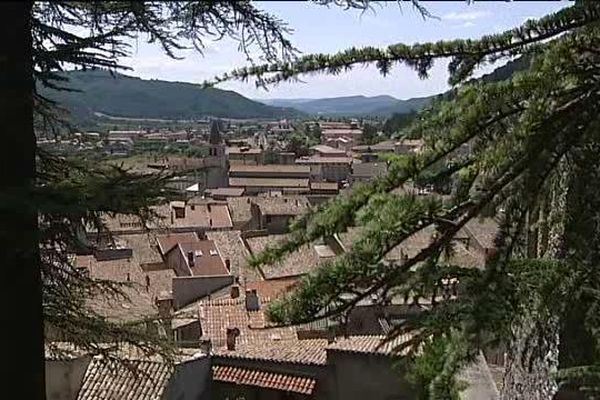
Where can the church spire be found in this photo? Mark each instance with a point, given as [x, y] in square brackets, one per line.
[215, 134]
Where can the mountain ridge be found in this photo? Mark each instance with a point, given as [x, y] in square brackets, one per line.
[381, 105]
[119, 95]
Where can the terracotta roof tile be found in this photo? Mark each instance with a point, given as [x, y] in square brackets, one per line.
[269, 182]
[168, 241]
[302, 261]
[207, 260]
[368, 344]
[128, 379]
[240, 209]
[231, 247]
[218, 315]
[264, 379]
[290, 350]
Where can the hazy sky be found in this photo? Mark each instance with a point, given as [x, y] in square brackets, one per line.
[330, 29]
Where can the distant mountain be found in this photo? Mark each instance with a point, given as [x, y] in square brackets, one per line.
[385, 106]
[348, 106]
[100, 93]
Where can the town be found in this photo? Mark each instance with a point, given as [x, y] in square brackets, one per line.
[189, 272]
[328, 200]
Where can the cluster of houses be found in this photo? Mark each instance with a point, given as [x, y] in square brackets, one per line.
[189, 280]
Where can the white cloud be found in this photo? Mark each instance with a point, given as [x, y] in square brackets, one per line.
[466, 15]
[468, 24]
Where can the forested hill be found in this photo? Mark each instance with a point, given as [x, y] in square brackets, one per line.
[380, 105]
[125, 96]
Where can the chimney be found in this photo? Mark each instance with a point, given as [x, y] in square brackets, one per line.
[330, 336]
[232, 334]
[235, 291]
[206, 346]
[252, 303]
[190, 256]
[164, 303]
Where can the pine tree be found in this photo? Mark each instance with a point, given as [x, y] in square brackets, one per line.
[534, 146]
[47, 201]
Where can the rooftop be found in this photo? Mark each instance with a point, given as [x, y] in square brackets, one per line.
[324, 160]
[335, 131]
[240, 209]
[483, 230]
[216, 316]
[134, 380]
[231, 246]
[242, 150]
[369, 169]
[269, 182]
[225, 192]
[462, 255]
[140, 287]
[207, 260]
[282, 205]
[291, 350]
[274, 168]
[299, 262]
[322, 148]
[324, 186]
[167, 241]
[264, 379]
[369, 345]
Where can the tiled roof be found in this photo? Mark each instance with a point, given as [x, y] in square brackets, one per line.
[324, 160]
[274, 168]
[240, 209]
[282, 205]
[323, 148]
[369, 169]
[308, 351]
[218, 315]
[269, 380]
[212, 215]
[324, 185]
[242, 150]
[301, 261]
[225, 191]
[272, 288]
[127, 379]
[168, 241]
[207, 260]
[483, 230]
[143, 246]
[468, 257]
[268, 182]
[139, 302]
[231, 247]
[368, 345]
[334, 132]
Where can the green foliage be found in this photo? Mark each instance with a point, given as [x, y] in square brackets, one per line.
[117, 95]
[370, 135]
[71, 196]
[299, 144]
[510, 148]
[397, 122]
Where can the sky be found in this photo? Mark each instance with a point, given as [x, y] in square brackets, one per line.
[328, 29]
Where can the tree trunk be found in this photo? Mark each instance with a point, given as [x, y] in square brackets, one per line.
[22, 316]
[533, 352]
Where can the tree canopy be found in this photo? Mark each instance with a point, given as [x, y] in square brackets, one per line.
[532, 141]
